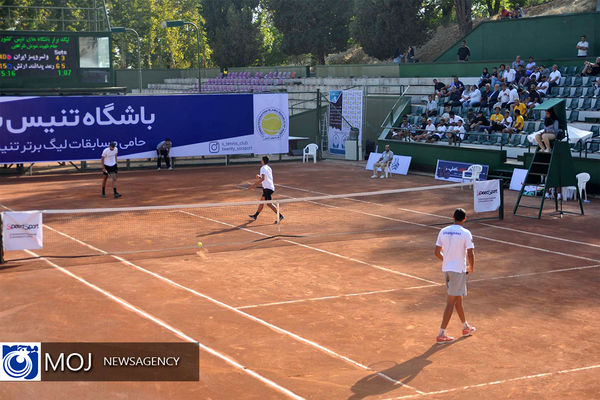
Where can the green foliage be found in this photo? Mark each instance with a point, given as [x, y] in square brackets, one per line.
[318, 27]
[233, 31]
[380, 33]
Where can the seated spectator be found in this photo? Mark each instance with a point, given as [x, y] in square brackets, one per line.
[517, 11]
[517, 126]
[409, 56]
[542, 87]
[507, 122]
[386, 158]
[534, 97]
[496, 121]
[465, 96]
[405, 129]
[504, 96]
[530, 66]
[455, 96]
[498, 78]
[596, 87]
[480, 123]
[509, 77]
[549, 133]
[432, 106]
[504, 13]
[446, 113]
[520, 74]
[555, 76]
[393, 133]
[515, 64]
[544, 72]
[439, 88]
[535, 75]
[429, 130]
[591, 69]
[474, 97]
[469, 119]
[454, 119]
[521, 106]
[485, 78]
[485, 95]
[456, 133]
[463, 52]
[456, 83]
[582, 47]
[513, 96]
[493, 98]
[439, 132]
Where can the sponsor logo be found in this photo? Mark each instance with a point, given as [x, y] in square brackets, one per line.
[20, 362]
[214, 147]
[487, 192]
[271, 123]
[27, 227]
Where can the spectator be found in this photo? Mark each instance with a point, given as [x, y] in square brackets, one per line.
[493, 98]
[513, 96]
[385, 159]
[591, 69]
[517, 62]
[494, 76]
[463, 53]
[520, 75]
[542, 87]
[474, 97]
[582, 47]
[499, 78]
[486, 92]
[504, 97]
[496, 121]
[466, 95]
[431, 107]
[439, 88]
[517, 11]
[405, 129]
[534, 97]
[456, 83]
[410, 55]
[480, 123]
[446, 113]
[469, 120]
[397, 56]
[530, 66]
[439, 132]
[549, 133]
[429, 130]
[555, 76]
[535, 75]
[521, 106]
[504, 13]
[456, 133]
[454, 119]
[596, 87]
[509, 77]
[544, 72]
[485, 78]
[517, 126]
[454, 99]
[507, 122]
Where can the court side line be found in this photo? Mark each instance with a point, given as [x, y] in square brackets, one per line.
[231, 308]
[176, 331]
[410, 288]
[520, 378]
[541, 235]
[476, 236]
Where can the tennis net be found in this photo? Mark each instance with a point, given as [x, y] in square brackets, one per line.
[227, 226]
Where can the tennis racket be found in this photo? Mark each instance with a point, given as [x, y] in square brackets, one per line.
[243, 185]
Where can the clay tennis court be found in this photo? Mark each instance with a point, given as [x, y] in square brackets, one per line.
[344, 304]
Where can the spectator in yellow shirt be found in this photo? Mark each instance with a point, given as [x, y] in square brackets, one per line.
[496, 119]
[517, 126]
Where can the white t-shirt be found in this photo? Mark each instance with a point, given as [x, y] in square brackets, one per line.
[513, 95]
[432, 105]
[454, 241]
[430, 127]
[504, 96]
[475, 96]
[582, 53]
[543, 87]
[507, 121]
[110, 156]
[440, 131]
[454, 121]
[555, 74]
[267, 172]
[510, 75]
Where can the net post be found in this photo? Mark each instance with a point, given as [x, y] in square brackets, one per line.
[1, 241]
[501, 209]
[278, 221]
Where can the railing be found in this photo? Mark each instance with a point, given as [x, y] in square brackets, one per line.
[390, 115]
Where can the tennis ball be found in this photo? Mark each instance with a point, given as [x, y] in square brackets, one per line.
[199, 244]
[271, 124]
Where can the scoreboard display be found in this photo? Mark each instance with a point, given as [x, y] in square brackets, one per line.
[38, 56]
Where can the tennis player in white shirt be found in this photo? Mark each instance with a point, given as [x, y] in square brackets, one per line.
[454, 246]
[265, 177]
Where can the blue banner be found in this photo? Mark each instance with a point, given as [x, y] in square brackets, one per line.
[452, 171]
[38, 129]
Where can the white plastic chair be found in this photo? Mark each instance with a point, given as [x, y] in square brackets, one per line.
[386, 170]
[310, 150]
[582, 180]
[472, 173]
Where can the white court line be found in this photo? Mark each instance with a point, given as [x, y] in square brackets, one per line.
[541, 235]
[409, 288]
[520, 378]
[476, 236]
[231, 308]
[156, 320]
[176, 331]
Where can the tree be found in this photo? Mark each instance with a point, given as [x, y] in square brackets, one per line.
[381, 26]
[463, 15]
[493, 6]
[318, 27]
[233, 31]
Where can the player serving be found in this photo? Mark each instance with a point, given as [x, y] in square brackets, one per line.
[265, 177]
